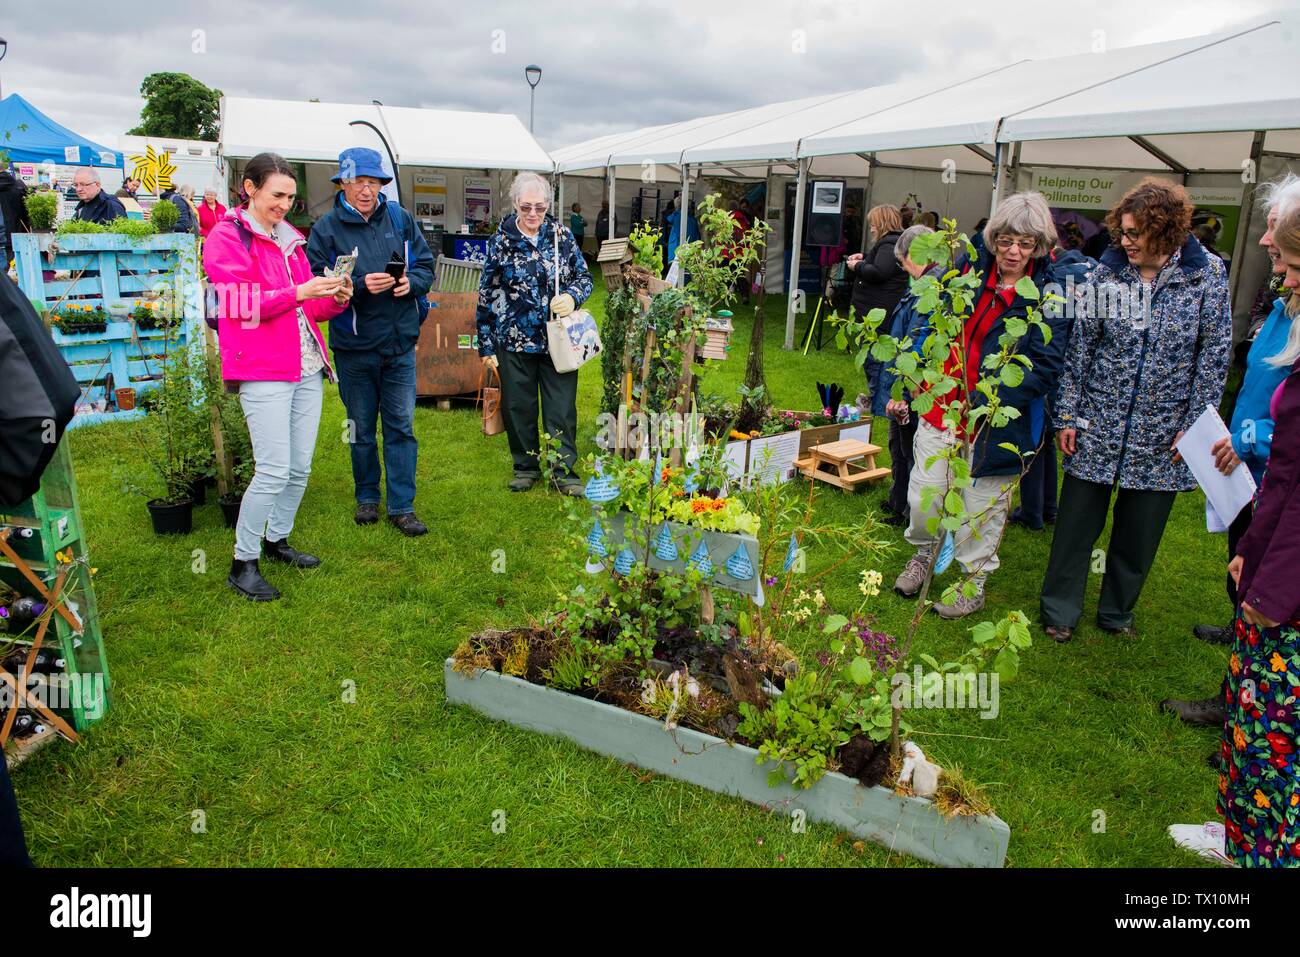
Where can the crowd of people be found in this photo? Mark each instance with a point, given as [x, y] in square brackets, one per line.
[1112, 389]
[1132, 360]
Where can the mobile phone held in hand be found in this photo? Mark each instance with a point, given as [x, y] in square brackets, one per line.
[396, 268]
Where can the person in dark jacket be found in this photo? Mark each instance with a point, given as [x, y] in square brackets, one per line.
[94, 205]
[516, 298]
[1037, 508]
[186, 222]
[1018, 236]
[1148, 352]
[907, 322]
[1259, 778]
[373, 340]
[878, 283]
[13, 214]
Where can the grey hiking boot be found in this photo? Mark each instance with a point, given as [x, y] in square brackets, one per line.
[961, 606]
[913, 577]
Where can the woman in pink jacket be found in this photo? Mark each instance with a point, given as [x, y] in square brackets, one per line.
[272, 351]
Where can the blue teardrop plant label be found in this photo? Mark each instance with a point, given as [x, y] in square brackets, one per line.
[601, 489]
[791, 552]
[739, 566]
[624, 561]
[701, 561]
[665, 547]
[596, 541]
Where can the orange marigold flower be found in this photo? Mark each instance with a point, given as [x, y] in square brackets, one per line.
[699, 505]
[1238, 738]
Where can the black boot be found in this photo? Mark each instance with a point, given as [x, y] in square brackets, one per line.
[1207, 711]
[282, 551]
[246, 578]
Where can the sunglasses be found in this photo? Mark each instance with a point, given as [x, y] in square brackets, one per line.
[529, 208]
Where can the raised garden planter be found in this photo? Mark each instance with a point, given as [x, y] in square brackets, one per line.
[907, 825]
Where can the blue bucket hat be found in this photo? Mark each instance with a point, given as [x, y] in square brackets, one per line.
[359, 161]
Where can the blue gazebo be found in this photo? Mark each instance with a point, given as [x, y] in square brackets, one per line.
[35, 138]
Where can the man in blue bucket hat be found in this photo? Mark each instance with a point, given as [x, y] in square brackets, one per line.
[373, 340]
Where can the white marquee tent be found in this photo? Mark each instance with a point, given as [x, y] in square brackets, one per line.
[454, 144]
[1203, 109]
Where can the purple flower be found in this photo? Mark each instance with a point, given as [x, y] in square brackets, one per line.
[769, 582]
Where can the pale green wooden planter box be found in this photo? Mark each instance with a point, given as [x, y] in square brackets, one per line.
[906, 825]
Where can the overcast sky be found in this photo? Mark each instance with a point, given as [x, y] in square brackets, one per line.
[608, 66]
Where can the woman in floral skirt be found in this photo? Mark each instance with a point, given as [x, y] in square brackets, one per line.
[1259, 781]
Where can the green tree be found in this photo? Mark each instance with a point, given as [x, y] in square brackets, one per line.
[176, 104]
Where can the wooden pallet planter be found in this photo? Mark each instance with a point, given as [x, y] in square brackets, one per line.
[32, 534]
[113, 270]
[845, 464]
[908, 825]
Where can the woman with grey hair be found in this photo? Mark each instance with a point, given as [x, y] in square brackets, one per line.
[516, 298]
[1018, 238]
[1148, 352]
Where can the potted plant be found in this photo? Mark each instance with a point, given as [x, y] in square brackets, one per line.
[79, 318]
[42, 210]
[163, 216]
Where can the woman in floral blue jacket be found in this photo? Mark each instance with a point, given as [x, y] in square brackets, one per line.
[516, 298]
[1148, 352]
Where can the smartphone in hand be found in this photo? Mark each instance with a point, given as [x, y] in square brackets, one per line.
[396, 268]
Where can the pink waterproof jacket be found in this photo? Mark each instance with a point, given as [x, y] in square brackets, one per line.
[257, 290]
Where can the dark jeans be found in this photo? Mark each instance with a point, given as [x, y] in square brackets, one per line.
[1139, 522]
[13, 848]
[1038, 488]
[374, 386]
[523, 375]
[901, 438]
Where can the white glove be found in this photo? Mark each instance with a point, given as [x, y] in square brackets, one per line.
[563, 304]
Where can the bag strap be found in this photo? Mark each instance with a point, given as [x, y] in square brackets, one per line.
[557, 258]
[482, 375]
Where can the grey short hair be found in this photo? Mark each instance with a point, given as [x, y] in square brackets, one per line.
[526, 181]
[1023, 214]
[1280, 195]
[89, 171]
[186, 190]
[905, 240]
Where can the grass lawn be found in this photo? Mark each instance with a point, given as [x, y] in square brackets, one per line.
[237, 708]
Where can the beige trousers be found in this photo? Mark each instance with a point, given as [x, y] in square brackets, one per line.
[988, 501]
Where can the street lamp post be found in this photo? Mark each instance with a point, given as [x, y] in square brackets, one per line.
[533, 74]
[4, 48]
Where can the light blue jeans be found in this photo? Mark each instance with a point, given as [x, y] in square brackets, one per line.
[283, 418]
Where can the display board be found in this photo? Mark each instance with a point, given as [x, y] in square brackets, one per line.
[446, 355]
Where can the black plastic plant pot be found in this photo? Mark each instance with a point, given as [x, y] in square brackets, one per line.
[171, 519]
[230, 509]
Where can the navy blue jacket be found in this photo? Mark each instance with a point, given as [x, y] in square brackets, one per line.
[185, 223]
[1026, 432]
[905, 321]
[102, 209]
[374, 322]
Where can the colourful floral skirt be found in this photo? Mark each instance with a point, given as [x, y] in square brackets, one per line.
[1259, 778]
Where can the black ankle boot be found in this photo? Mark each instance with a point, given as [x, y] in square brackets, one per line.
[282, 551]
[246, 578]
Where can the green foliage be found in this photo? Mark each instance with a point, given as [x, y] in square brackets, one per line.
[621, 313]
[644, 241]
[42, 209]
[715, 261]
[76, 227]
[164, 215]
[135, 228]
[572, 669]
[675, 322]
[177, 105]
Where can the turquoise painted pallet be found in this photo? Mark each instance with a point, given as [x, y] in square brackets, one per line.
[108, 270]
